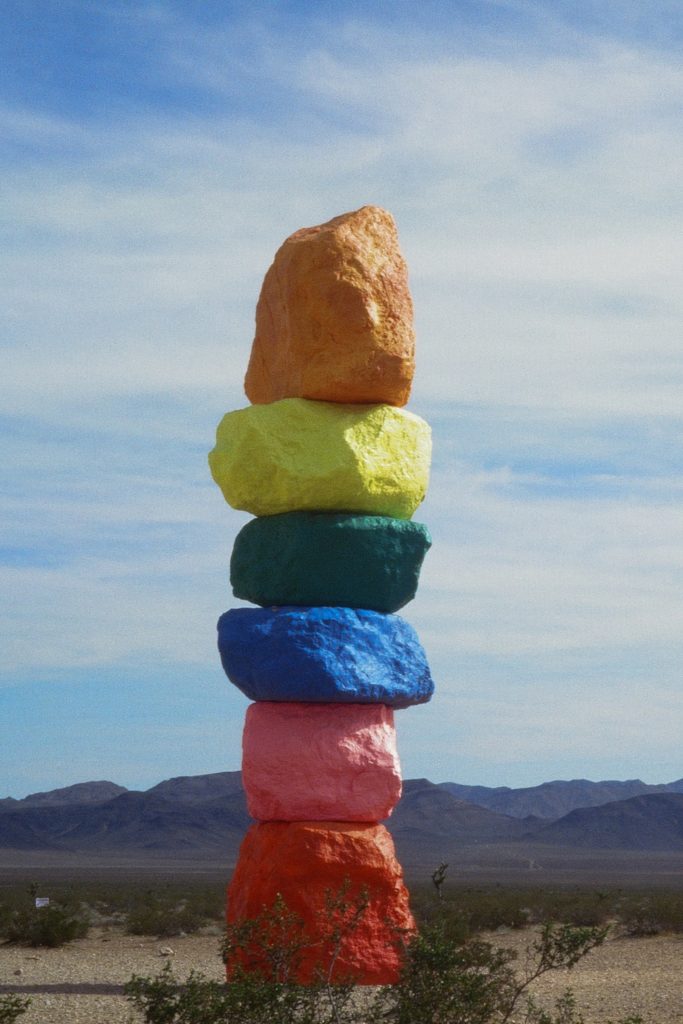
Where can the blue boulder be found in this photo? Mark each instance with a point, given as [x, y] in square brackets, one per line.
[332, 655]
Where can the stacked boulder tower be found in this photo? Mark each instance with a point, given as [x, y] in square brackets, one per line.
[333, 468]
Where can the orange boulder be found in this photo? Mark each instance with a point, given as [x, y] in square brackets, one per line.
[334, 320]
[307, 862]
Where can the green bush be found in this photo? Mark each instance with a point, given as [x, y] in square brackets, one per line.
[652, 914]
[475, 983]
[443, 983]
[445, 980]
[583, 909]
[470, 911]
[23, 923]
[12, 1007]
[248, 999]
[45, 926]
[262, 957]
[565, 1012]
[466, 912]
[171, 909]
[110, 900]
[54, 925]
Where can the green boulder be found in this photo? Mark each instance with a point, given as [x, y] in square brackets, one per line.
[327, 559]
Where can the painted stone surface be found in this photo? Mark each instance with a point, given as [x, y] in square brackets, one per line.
[308, 558]
[334, 320]
[304, 860]
[297, 455]
[338, 655]
[316, 762]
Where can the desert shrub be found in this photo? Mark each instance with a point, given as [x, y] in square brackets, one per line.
[639, 921]
[54, 925]
[166, 909]
[442, 983]
[204, 901]
[262, 957]
[491, 909]
[159, 917]
[465, 912]
[248, 999]
[471, 910]
[116, 898]
[583, 909]
[45, 926]
[5, 917]
[12, 1007]
[651, 914]
[565, 1012]
[445, 980]
[170, 909]
[476, 983]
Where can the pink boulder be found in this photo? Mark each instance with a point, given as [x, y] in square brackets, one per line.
[320, 762]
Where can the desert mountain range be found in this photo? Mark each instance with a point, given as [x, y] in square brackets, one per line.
[206, 815]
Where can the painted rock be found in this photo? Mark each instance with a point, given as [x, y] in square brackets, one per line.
[334, 320]
[320, 762]
[308, 558]
[334, 655]
[297, 455]
[304, 862]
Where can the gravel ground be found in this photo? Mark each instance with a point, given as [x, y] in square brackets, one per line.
[625, 976]
[622, 977]
[103, 958]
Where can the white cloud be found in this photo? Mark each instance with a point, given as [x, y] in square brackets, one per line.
[554, 576]
[537, 201]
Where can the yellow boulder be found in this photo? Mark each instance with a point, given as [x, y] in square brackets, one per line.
[297, 454]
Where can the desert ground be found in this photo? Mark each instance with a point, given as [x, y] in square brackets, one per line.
[626, 976]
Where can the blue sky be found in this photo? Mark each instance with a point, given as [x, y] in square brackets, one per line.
[155, 155]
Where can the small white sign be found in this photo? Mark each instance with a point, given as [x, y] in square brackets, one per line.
[42, 901]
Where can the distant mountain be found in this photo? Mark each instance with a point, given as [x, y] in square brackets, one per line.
[131, 821]
[430, 825]
[650, 822]
[431, 810]
[193, 789]
[206, 815]
[80, 793]
[552, 800]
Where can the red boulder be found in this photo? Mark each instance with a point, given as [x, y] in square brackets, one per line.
[309, 863]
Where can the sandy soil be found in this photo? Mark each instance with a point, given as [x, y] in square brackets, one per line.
[626, 976]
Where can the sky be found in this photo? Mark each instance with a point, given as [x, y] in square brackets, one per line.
[154, 156]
